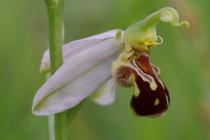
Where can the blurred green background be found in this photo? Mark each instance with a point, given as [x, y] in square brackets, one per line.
[184, 59]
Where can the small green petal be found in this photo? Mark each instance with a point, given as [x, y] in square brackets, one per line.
[105, 95]
[143, 33]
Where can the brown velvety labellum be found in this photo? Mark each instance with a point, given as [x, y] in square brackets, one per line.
[149, 102]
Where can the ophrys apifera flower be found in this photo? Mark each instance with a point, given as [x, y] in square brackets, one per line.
[95, 65]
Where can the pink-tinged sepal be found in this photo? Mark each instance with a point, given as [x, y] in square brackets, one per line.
[152, 98]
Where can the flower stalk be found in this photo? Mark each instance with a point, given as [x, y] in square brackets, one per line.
[55, 17]
[58, 123]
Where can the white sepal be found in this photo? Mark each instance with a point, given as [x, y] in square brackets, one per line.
[74, 47]
[91, 67]
[71, 93]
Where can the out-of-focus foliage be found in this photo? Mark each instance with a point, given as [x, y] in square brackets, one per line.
[183, 59]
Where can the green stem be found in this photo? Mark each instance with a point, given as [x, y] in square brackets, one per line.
[58, 123]
[55, 17]
[58, 126]
[63, 121]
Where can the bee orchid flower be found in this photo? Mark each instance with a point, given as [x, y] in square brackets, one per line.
[93, 67]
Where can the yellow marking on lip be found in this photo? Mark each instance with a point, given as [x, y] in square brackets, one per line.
[157, 101]
[153, 86]
[136, 90]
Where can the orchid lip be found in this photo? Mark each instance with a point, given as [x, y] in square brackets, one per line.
[151, 101]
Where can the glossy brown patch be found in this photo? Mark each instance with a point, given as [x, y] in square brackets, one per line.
[146, 104]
